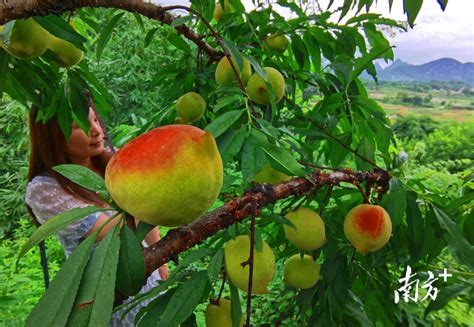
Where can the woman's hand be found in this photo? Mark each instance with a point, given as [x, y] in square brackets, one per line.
[163, 271]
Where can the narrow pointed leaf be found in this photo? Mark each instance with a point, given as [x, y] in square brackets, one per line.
[94, 302]
[222, 123]
[55, 305]
[184, 300]
[82, 176]
[131, 265]
[106, 34]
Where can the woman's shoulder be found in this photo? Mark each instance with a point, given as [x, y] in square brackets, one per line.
[45, 179]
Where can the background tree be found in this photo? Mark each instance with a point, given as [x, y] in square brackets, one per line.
[325, 119]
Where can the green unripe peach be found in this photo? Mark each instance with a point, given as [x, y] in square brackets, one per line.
[225, 75]
[218, 12]
[65, 53]
[310, 233]
[220, 315]
[258, 90]
[236, 252]
[190, 107]
[277, 42]
[269, 175]
[368, 227]
[168, 176]
[301, 273]
[28, 39]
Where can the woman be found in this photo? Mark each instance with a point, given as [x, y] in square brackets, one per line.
[49, 193]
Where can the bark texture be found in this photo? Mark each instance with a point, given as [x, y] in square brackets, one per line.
[182, 238]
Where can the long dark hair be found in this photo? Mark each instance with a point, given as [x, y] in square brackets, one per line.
[48, 149]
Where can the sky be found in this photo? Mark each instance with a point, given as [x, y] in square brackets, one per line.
[436, 34]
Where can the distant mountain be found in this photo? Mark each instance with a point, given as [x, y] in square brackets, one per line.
[445, 69]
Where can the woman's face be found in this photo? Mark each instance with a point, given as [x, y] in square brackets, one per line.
[82, 146]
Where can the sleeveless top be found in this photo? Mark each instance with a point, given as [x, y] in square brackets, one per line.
[46, 198]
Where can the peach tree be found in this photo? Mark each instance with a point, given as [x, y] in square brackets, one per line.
[301, 143]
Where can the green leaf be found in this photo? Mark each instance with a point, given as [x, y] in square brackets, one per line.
[82, 176]
[149, 36]
[367, 150]
[253, 158]
[222, 123]
[230, 143]
[455, 237]
[412, 8]
[445, 295]
[215, 265]
[236, 313]
[181, 20]
[305, 298]
[443, 4]
[337, 153]
[142, 230]
[55, 224]
[178, 42]
[356, 309]
[192, 257]
[95, 299]
[258, 241]
[457, 203]
[184, 300]
[60, 28]
[154, 310]
[56, 303]
[314, 50]
[300, 52]
[362, 63]
[106, 34]
[235, 53]
[131, 265]
[345, 8]
[256, 66]
[395, 201]
[65, 117]
[3, 69]
[279, 219]
[415, 227]
[282, 160]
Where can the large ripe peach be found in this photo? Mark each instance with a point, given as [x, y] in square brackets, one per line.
[168, 176]
[368, 227]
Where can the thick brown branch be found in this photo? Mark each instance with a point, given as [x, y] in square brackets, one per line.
[185, 237]
[16, 9]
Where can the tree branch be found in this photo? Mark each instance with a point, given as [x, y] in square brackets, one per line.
[182, 238]
[16, 9]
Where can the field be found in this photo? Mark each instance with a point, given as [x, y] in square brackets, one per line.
[450, 102]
